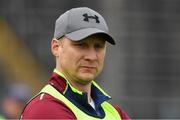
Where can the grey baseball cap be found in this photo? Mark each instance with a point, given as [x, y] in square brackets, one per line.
[79, 23]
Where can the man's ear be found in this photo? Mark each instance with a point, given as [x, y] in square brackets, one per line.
[55, 47]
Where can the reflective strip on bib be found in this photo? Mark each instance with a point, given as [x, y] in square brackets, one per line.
[110, 112]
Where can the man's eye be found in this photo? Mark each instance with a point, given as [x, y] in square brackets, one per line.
[99, 46]
[80, 44]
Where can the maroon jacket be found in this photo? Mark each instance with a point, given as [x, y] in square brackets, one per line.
[44, 106]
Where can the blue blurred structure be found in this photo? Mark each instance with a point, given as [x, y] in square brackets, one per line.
[15, 97]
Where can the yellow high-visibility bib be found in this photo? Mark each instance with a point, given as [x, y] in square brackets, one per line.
[110, 112]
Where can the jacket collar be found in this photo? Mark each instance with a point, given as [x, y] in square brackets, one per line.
[79, 98]
[94, 85]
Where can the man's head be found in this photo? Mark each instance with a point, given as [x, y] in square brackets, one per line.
[79, 44]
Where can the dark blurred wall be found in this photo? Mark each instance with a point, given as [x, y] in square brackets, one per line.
[142, 72]
[145, 61]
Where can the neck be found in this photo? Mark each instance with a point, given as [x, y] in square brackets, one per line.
[83, 87]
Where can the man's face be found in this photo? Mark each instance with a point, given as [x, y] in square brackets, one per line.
[81, 61]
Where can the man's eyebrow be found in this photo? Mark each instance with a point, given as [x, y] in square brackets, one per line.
[80, 41]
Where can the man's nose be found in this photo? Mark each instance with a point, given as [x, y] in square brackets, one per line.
[91, 54]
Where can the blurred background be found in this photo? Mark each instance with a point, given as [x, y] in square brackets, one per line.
[142, 72]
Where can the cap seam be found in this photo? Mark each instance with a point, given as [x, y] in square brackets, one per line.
[68, 20]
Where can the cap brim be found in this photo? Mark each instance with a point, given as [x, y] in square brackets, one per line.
[84, 33]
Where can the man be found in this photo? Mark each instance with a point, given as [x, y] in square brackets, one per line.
[79, 47]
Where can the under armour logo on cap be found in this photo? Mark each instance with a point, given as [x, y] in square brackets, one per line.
[95, 17]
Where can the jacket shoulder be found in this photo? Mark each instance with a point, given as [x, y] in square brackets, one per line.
[123, 115]
[44, 106]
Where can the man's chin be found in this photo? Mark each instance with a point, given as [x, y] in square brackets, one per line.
[87, 77]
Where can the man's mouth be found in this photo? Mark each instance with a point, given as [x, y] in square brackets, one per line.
[88, 68]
